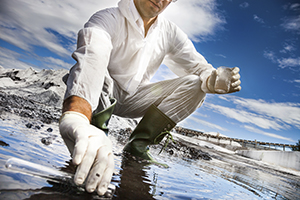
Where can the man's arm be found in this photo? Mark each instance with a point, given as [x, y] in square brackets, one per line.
[90, 148]
[77, 104]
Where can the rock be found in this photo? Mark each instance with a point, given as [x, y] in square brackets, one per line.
[49, 84]
[28, 108]
[29, 125]
[49, 129]
[47, 140]
[13, 75]
[2, 143]
[31, 85]
[48, 97]
[6, 82]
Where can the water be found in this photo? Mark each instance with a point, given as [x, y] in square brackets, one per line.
[225, 176]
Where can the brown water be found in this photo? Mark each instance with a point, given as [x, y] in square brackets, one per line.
[226, 176]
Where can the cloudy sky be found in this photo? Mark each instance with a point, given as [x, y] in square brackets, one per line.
[260, 37]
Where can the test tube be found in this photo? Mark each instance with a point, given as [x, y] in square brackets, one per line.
[57, 176]
[223, 80]
[30, 168]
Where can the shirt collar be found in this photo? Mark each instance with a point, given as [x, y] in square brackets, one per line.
[137, 18]
[135, 14]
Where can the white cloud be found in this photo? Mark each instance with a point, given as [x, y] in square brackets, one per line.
[54, 63]
[292, 24]
[37, 23]
[53, 25]
[255, 130]
[244, 5]
[258, 19]
[282, 62]
[267, 115]
[244, 116]
[270, 55]
[295, 6]
[30, 23]
[10, 59]
[287, 48]
[163, 73]
[221, 55]
[289, 62]
[208, 124]
[256, 116]
[198, 19]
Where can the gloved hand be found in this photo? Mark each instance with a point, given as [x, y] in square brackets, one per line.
[90, 149]
[226, 78]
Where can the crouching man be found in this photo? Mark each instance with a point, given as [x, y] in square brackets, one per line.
[118, 52]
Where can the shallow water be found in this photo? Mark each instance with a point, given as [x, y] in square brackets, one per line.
[226, 176]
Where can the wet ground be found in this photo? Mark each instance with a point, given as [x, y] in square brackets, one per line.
[193, 173]
[30, 104]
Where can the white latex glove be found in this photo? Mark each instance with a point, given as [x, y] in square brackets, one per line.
[233, 77]
[90, 148]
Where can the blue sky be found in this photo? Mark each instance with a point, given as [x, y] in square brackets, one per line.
[260, 37]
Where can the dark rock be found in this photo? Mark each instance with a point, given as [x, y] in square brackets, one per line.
[29, 125]
[121, 135]
[49, 129]
[12, 75]
[187, 151]
[47, 97]
[47, 140]
[2, 143]
[29, 108]
[49, 84]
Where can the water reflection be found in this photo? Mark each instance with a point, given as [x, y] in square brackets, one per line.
[226, 176]
[135, 182]
[263, 180]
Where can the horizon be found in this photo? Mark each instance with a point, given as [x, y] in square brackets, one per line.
[263, 41]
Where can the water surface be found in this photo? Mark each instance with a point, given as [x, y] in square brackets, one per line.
[225, 176]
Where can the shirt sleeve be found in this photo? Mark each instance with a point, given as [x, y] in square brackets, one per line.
[183, 58]
[92, 55]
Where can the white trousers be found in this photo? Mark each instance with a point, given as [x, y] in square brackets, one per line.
[177, 98]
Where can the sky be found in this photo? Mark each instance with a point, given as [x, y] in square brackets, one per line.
[259, 37]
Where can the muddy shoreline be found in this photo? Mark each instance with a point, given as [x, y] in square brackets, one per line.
[39, 96]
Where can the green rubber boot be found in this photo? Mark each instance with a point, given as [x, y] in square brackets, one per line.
[101, 119]
[151, 130]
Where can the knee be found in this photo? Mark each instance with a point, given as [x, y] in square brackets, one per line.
[192, 85]
[192, 82]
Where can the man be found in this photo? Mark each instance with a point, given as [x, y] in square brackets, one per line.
[118, 52]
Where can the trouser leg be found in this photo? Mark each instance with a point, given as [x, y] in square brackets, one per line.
[176, 98]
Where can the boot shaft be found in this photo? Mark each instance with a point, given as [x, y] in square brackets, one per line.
[152, 125]
[101, 119]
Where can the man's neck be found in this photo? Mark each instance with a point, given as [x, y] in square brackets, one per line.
[148, 23]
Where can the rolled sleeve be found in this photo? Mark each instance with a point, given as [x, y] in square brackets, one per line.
[92, 56]
[94, 46]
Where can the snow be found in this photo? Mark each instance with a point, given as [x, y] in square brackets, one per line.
[287, 159]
